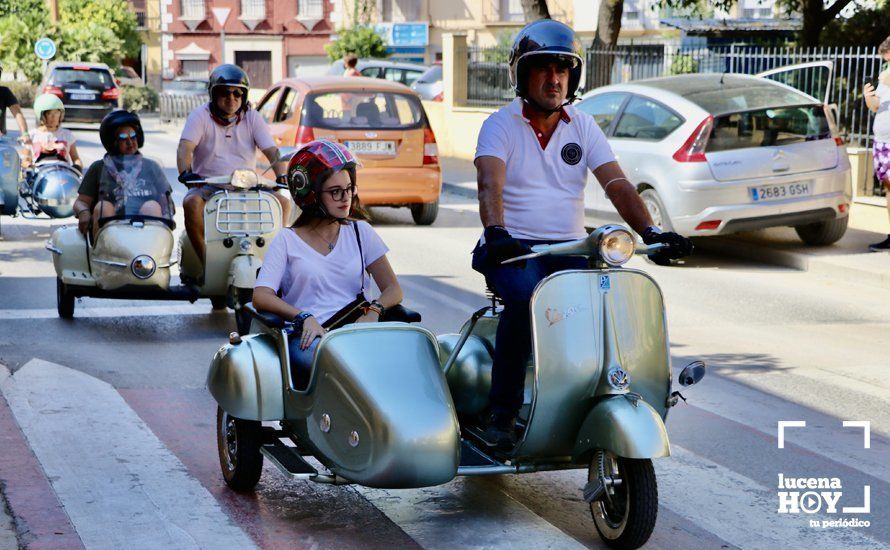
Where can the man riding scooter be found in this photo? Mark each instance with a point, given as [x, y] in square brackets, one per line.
[218, 138]
[532, 158]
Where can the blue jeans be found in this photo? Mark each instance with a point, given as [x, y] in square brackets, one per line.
[301, 361]
[513, 345]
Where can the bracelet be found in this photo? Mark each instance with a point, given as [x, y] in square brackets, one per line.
[610, 182]
[378, 307]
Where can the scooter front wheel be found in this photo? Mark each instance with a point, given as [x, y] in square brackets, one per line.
[64, 300]
[625, 514]
[238, 442]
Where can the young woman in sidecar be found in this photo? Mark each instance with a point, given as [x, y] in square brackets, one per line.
[123, 182]
[316, 273]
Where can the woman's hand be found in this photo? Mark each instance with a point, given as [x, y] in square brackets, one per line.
[311, 331]
[370, 317]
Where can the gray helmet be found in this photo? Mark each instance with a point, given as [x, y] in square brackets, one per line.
[228, 75]
[545, 37]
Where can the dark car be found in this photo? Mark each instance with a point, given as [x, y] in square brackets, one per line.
[88, 90]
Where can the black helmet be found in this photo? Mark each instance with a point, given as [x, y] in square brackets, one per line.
[228, 75]
[545, 37]
[113, 121]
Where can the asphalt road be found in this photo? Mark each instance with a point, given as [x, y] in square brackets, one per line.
[111, 408]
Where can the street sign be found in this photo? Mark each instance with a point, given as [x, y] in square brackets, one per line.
[221, 14]
[410, 34]
[45, 48]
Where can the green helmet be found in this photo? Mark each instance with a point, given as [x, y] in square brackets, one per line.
[47, 102]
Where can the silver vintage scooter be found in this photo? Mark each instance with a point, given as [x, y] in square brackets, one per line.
[133, 255]
[388, 405]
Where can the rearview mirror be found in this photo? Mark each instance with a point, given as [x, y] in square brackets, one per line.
[692, 373]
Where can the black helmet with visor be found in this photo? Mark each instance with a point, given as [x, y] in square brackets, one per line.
[545, 40]
[114, 120]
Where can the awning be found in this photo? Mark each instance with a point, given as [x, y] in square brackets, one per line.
[192, 52]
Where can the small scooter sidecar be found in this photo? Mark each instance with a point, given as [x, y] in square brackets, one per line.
[10, 174]
[376, 411]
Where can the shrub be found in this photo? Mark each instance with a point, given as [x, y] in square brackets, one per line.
[684, 64]
[139, 98]
[23, 91]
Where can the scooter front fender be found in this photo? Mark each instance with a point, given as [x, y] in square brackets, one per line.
[623, 428]
[245, 379]
[243, 271]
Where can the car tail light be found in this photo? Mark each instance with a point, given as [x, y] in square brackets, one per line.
[81, 67]
[111, 94]
[832, 125]
[304, 136]
[842, 208]
[430, 148]
[708, 225]
[694, 148]
[55, 90]
[439, 97]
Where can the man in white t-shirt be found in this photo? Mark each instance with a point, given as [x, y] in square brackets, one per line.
[219, 137]
[532, 159]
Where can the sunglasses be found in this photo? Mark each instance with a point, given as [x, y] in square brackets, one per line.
[337, 193]
[122, 136]
[225, 93]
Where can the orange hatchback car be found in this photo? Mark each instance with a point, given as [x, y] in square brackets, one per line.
[383, 123]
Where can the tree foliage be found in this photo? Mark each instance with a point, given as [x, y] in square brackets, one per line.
[867, 27]
[89, 30]
[362, 41]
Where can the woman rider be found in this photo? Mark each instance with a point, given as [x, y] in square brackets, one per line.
[318, 269]
[123, 182]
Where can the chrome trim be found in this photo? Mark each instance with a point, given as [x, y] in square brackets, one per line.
[49, 246]
[112, 264]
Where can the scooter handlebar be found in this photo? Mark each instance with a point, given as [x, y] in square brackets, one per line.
[570, 249]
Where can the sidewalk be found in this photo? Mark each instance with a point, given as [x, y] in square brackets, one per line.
[847, 259]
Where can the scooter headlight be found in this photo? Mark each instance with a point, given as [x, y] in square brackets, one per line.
[245, 245]
[617, 246]
[143, 267]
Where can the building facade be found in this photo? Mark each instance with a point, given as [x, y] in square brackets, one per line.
[270, 39]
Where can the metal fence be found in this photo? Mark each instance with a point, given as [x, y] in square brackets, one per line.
[176, 108]
[488, 81]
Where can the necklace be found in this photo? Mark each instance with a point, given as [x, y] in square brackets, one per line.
[330, 243]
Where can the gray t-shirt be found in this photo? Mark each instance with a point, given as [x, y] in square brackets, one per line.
[881, 126]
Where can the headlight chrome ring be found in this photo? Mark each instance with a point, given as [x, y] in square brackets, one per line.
[143, 266]
[616, 246]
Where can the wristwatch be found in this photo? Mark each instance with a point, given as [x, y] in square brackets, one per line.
[299, 320]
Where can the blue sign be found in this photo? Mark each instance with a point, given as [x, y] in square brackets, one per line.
[410, 34]
[45, 48]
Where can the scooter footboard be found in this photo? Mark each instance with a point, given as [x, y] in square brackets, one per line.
[623, 428]
[245, 379]
[382, 415]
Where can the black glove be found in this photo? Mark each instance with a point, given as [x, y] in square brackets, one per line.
[500, 246]
[678, 246]
[187, 177]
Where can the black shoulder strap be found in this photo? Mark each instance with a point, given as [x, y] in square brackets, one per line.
[361, 255]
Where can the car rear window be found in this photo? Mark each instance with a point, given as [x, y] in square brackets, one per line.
[769, 127]
[96, 78]
[362, 110]
[433, 74]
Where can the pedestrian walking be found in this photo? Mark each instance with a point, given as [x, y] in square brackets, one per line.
[878, 101]
[350, 61]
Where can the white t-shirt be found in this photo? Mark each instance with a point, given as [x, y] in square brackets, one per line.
[544, 188]
[62, 136]
[321, 285]
[881, 125]
[219, 150]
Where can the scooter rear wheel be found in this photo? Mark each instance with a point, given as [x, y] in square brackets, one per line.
[64, 300]
[625, 516]
[238, 442]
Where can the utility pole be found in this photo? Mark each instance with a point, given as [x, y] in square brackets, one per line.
[53, 8]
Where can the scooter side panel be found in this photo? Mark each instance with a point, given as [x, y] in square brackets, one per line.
[70, 260]
[245, 379]
[392, 423]
[625, 429]
[121, 242]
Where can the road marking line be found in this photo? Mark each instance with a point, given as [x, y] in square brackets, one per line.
[466, 514]
[118, 483]
[120, 311]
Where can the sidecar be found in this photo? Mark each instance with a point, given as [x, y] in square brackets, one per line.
[10, 174]
[51, 189]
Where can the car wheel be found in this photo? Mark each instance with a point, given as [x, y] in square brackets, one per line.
[656, 209]
[64, 300]
[425, 213]
[625, 514]
[238, 442]
[823, 233]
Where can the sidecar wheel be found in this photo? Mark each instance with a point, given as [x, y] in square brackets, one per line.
[64, 300]
[626, 518]
[238, 442]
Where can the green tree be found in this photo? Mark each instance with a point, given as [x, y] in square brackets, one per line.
[867, 27]
[114, 15]
[91, 42]
[362, 40]
[22, 22]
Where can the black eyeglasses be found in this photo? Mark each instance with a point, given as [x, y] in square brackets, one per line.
[337, 193]
[225, 93]
[122, 136]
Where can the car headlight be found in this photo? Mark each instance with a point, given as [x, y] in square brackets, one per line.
[616, 246]
[143, 266]
[245, 245]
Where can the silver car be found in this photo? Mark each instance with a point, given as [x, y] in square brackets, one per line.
[396, 71]
[712, 154]
[430, 85]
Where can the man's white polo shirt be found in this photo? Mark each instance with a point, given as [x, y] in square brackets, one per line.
[544, 189]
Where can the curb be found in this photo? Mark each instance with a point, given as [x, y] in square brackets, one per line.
[731, 247]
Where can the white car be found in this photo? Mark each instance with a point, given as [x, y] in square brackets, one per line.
[712, 154]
